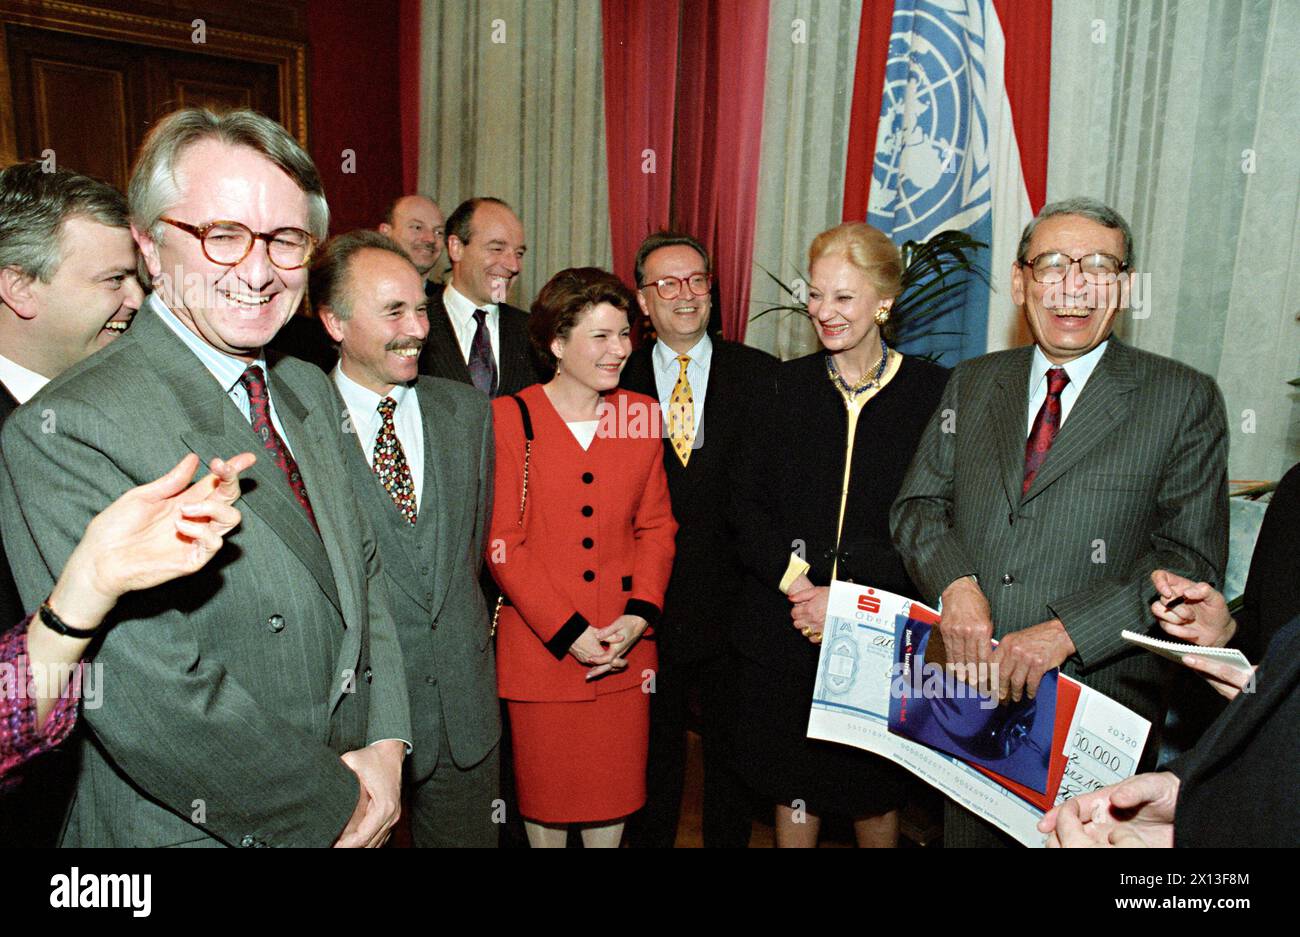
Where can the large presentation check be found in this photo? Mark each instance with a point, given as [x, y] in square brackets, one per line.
[1095, 741]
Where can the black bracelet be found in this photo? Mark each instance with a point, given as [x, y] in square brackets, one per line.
[58, 625]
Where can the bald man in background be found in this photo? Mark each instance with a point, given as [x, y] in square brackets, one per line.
[416, 223]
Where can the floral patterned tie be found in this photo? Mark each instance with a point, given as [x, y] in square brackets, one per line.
[1046, 424]
[390, 463]
[259, 407]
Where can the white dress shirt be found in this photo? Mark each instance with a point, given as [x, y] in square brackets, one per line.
[21, 382]
[668, 370]
[227, 369]
[1079, 370]
[363, 408]
[461, 313]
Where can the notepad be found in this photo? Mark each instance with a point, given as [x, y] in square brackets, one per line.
[1177, 650]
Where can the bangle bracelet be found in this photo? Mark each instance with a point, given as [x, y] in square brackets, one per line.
[58, 625]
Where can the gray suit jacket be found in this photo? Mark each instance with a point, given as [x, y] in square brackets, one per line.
[227, 696]
[1136, 480]
[432, 572]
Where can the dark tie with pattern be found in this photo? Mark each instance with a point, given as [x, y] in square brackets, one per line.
[1046, 424]
[390, 463]
[482, 366]
[259, 406]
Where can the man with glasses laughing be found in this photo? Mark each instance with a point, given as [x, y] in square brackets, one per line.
[1053, 480]
[261, 701]
[687, 371]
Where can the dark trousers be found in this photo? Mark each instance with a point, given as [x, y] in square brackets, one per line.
[457, 807]
[727, 817]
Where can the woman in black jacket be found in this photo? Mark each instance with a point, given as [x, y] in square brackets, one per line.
[826, 460]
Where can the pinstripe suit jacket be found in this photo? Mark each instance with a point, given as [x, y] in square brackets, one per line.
[1136, 480]
[517, 367]
[227, 696]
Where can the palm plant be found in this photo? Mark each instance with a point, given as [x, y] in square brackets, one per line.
[932, 271]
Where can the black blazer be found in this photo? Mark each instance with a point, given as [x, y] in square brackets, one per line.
[788, 497]
[1272, 594]
[706, 576]
[1239, 781]
[11, 606]
[517, 367]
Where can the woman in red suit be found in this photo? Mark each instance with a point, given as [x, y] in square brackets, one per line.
[585, 571]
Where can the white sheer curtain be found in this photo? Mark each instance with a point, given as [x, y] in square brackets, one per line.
[1183, 116]
[811, 50]
[512, 105]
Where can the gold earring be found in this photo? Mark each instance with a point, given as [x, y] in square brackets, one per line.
[882, 314]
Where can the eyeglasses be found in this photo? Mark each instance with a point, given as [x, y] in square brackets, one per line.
[671, 287]
[229, 242]
[1054, 266]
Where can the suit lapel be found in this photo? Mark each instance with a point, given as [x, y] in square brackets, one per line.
[442, 350]
[439, 497]
[218, 429]
[1104, 404]
[513, 349]
[1008, 413]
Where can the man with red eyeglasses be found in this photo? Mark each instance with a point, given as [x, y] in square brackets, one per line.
[261, 701]
[694, 375]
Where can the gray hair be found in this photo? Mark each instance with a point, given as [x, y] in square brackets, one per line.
[34, 204]
[330, 282]
[1084, 207]
[153, 188]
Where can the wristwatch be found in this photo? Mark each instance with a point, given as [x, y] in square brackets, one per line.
[57, 624]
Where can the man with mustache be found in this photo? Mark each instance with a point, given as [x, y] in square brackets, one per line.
[261, 701]
[1053, 480]
[415, 222]
[475, 336]
[419, 452]
[67, 288]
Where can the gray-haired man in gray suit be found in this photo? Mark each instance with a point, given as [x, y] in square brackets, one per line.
[1054, 479]
[262, 700]
[420, 456]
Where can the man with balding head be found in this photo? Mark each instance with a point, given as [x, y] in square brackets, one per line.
[415, 222]
[475, 336]
[419, 453]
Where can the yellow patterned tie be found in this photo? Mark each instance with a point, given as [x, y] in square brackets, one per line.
[681, 414]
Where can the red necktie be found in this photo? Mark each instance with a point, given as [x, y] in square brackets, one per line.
[1046, 424]
[259, 406]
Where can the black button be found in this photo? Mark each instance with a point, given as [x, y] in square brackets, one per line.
[589, 576]
[587, 510]
[588, 543]
[431, 679]
[275, 623]
[1011, 519]
[369, 675]
[424, 570]
[588, 478]
[1008, 579]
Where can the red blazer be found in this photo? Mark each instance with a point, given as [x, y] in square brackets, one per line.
[597, 542]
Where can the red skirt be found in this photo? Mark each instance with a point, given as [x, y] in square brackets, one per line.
[581, 762]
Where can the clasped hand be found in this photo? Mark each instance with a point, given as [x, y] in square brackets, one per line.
[605, 650]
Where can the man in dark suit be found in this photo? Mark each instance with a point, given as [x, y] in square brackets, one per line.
[1054, 479]
[693, 376]
[67, 288]
[415, 222]
[423, 475]
[475, 336]
[261, 701]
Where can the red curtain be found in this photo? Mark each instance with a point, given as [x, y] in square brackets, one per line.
[640, 45]
[868, 87]
[408, 66]
[719, 141]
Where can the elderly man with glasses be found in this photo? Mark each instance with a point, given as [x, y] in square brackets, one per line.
[1053, 479]
[262, 701]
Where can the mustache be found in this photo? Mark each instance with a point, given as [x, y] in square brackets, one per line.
[403, 346]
